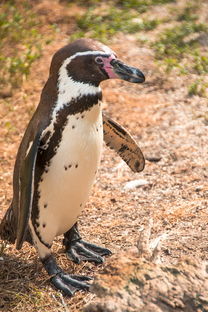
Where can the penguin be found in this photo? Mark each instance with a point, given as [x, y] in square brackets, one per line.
[59, 156]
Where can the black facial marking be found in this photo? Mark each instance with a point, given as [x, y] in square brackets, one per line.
[73, 127]
[65, 167]
[82, 116]
[76, 166]
[89, 72]
[45, 205]
[44, 225]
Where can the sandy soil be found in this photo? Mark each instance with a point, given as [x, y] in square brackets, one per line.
[167, 124]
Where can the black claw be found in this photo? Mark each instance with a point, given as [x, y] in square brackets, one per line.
[74, 282]
[82, 251]
[81, 277]
[72, 255]
[78, 250]
[69, 284]
[97, 249]
[57, 282]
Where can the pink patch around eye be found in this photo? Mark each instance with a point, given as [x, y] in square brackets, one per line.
[108, 67]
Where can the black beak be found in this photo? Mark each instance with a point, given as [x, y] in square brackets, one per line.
[126, 72]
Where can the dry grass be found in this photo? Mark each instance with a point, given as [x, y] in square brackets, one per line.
[165, 122]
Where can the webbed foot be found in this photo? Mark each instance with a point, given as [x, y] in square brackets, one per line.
[80, 250]
[67, 283]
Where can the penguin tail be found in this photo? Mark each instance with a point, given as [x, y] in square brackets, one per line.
[8, 226]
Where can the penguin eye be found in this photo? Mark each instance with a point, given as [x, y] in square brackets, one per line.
[99, 60]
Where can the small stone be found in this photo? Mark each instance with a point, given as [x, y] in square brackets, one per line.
[199, 188]
[135, 183]
[5, 93]
[113, 200]
[153, 158]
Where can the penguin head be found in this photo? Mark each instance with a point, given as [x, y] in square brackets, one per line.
[90, 62]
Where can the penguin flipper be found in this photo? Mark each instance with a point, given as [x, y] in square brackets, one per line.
[118, 138]
[26, 180]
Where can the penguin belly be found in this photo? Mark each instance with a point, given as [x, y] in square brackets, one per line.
[65, 186]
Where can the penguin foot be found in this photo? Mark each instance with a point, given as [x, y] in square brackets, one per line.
[80, 250]
[67, 283]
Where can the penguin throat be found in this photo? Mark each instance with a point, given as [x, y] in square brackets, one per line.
[71, 92]
[73, 98]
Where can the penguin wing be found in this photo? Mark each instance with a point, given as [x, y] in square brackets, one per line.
[117, 138]
[26, 185]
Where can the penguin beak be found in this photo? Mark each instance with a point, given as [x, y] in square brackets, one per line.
[126, 72]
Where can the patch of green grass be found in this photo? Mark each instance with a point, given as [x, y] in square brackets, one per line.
[142, 5]
[181, 41]
[199, 88]
[200, 64]
[175, 41]
[189, 13]
[113, 20]
[139, 5]
[179, 48]
[19, 42]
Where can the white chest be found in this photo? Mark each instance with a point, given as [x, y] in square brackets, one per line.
[65, 186]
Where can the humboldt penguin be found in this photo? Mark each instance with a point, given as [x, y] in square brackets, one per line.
[59, 155]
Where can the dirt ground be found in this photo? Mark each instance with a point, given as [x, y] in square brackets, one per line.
[167, 124]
